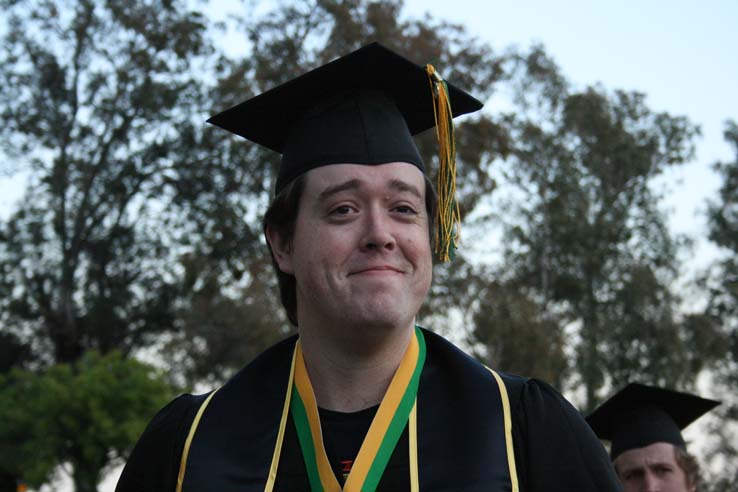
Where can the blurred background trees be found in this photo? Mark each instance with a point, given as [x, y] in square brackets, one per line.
[139, 234]
[91, 103]
[722, 285]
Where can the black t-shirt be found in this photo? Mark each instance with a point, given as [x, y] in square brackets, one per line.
[343, 434]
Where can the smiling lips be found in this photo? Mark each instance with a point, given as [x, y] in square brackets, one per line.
[379, 269]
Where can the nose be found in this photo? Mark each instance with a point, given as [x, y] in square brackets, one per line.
[378, 234]
[650, 483]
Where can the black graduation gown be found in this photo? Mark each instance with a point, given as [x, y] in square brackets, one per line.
[554, 449]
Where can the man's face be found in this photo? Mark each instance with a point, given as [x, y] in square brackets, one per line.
[651, 469]
[360, 252]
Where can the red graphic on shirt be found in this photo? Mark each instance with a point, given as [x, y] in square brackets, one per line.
[346, 467]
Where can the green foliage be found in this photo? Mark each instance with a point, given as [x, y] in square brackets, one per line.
[13, 353]
[87, 415]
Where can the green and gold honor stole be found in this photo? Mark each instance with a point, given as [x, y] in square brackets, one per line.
[384, 432]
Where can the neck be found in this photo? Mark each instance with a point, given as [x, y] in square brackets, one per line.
[348, 376]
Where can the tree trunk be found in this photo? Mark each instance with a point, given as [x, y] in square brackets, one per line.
[590, 371]
[85, 477]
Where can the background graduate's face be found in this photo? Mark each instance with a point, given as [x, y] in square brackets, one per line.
[360, 252]
[652, 468]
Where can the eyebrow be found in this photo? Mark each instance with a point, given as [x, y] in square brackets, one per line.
[352, 184]
[403, 186]
[355, 184]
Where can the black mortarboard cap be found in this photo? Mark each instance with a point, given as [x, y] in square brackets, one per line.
[641, 415]
[361, 108]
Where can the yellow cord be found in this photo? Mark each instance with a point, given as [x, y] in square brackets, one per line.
[448, 227]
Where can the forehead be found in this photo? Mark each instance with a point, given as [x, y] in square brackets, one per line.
[398, 176]
[659, 452]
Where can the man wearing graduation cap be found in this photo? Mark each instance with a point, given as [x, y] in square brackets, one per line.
[363, 399]
[644, 426]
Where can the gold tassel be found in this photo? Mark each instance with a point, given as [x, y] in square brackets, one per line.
[448, 220]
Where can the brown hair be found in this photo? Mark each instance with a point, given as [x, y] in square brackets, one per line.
[280, 217]
[691, 467]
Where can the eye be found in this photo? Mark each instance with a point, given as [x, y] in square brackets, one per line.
[405, 209]
[632, 475]
[340, 211]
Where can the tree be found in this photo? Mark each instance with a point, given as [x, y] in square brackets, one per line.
[516, 336]
[588, 238]
[83, 416]
[13, 353]
[723, 307]
[92, 97]
[723, 222]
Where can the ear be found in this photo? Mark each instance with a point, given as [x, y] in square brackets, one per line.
[281, 250]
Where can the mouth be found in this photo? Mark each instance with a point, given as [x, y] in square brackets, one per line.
[377, 270]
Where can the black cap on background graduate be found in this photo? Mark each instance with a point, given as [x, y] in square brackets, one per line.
[362, 108]
[640, 415]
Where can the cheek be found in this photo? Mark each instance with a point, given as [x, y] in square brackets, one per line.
[681, 478]
[423, 253]
[422, 257]
[322, 254]
[416, 238]
[631, 486]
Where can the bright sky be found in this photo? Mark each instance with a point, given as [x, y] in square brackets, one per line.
[680, 53]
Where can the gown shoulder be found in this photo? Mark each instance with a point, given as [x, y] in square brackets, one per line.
[154, 462]
[555, 449]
